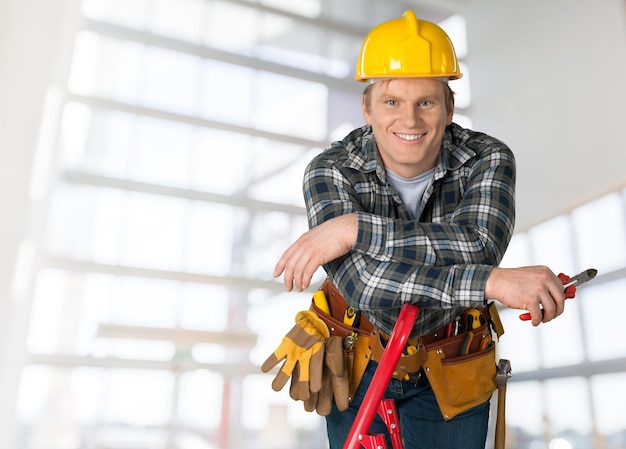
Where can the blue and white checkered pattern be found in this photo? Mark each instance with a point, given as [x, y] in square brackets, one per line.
[440, 262]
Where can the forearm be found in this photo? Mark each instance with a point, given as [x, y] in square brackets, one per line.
[430, 244]
[373, 285]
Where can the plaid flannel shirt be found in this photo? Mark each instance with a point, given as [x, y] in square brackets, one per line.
[441, 262]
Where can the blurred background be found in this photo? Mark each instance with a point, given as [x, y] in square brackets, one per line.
[152, 158]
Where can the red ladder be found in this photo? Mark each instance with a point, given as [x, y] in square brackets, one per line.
[373, 401]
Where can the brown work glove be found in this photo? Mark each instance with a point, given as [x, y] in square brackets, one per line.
[301, 388]
[335, 383]
[303, 345]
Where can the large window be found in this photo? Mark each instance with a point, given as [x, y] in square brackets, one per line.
[565, 390]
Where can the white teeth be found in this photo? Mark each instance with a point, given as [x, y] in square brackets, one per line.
[409, 136]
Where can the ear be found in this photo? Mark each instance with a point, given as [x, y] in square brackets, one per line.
[367, 115]
[450, 112]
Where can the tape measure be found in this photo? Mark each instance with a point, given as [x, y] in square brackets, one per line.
[349, 316]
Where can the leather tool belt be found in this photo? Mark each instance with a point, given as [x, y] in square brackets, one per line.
[454, 346]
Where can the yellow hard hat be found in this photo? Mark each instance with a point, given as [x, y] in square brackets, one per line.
[407, 48]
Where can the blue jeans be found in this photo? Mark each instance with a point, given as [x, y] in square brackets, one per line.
[421, 423]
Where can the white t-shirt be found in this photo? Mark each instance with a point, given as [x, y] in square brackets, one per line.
[411, 190]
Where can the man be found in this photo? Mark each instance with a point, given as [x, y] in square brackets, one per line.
[413, 208]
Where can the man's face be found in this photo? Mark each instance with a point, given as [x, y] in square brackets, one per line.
[408, 117]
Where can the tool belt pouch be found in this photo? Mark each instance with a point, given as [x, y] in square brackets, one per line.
[358, 353]
[461, 382]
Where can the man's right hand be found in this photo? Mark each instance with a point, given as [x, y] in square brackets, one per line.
[528, 288]
[314, 248]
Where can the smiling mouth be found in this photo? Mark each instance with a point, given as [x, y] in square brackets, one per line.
[409, 137]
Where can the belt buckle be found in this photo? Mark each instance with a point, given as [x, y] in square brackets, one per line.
[415, 378]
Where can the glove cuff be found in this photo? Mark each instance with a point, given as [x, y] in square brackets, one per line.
[314, 321]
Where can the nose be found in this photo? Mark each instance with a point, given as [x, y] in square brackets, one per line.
[410, 116]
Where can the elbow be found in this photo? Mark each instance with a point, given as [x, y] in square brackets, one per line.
[492, 246]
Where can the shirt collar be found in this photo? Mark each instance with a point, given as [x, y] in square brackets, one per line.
[364, 155]
[454, 151]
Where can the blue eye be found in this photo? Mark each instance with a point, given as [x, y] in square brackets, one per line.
[426, 104]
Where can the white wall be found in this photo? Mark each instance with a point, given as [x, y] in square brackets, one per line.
[547, 77]
[31, 58]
